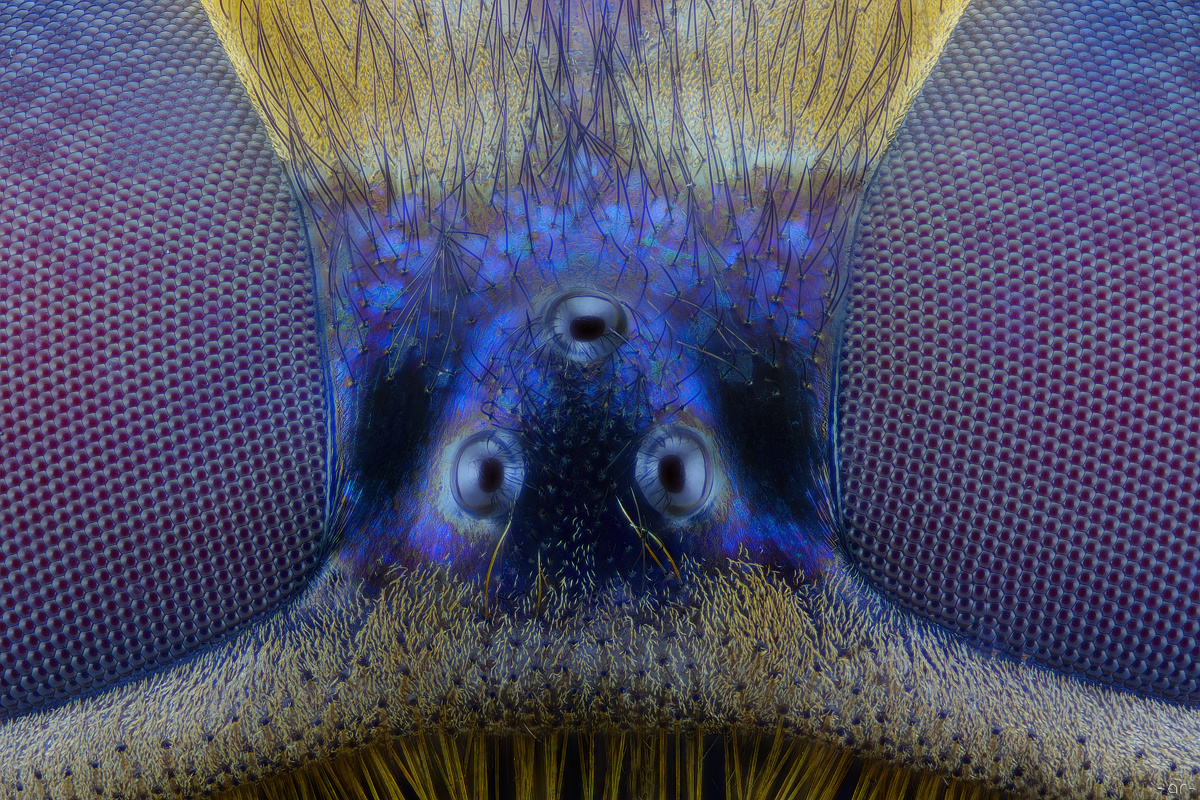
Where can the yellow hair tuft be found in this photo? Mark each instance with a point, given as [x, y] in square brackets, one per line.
[418, 97]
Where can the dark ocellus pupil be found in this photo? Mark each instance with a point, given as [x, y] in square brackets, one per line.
[491, 475]
[587, 328]
[671, 474]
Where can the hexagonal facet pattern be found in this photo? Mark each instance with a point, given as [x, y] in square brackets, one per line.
[161, 440]
[1021, 405]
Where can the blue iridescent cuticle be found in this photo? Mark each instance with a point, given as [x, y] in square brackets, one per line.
[698, 321]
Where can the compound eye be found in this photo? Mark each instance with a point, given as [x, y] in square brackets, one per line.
[675, 471]
[488, 473]
[587, 325]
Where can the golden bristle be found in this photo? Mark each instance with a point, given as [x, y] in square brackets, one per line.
[638, 766]
[415, 94]
[881, 780]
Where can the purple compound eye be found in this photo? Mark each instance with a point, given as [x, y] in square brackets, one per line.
[487, 474]
[161, 459]
[675, 471]
[587, 325]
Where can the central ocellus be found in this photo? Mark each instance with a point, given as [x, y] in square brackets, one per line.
[581, 267]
